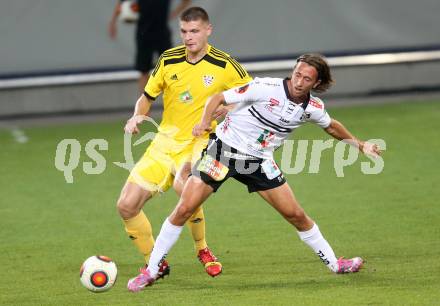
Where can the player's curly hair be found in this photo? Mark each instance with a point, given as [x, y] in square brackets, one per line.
[320, 63]
[194, 13]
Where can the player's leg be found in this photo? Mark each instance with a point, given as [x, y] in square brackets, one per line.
[194, 194]
[196, 222]
[150, 175]
[136, 223]
[283, 200]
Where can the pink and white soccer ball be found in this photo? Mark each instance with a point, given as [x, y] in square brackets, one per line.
[98, 273]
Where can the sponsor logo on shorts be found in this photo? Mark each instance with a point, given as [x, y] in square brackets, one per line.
[213, 168]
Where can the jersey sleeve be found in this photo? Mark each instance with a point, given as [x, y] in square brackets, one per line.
[236, 75]
[155, 82]
[318, 114]
[248, 93]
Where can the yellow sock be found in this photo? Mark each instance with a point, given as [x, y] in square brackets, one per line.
[197, 226]
[139, 230]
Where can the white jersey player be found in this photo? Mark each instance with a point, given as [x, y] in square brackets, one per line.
[265, 115]
[268, 110]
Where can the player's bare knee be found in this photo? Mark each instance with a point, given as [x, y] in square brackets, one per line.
[184, 211]
[296, 216]
[127, 208]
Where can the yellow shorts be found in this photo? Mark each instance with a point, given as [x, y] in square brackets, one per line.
[164, 157]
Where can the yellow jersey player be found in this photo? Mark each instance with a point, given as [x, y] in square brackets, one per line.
[186, 75]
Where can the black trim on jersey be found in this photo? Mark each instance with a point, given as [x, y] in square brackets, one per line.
[174, 50]
[233, 62]
[241, 72]
[305, 103]
[157, 65]
[214, 61]
[286, 91]
[148, 96]
[174, 60]
[265, 121]
[173, 53]
[238, 65]
[197, 61]
[229, 58]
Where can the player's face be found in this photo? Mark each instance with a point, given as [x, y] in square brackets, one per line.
[304, 79]
[195, 34]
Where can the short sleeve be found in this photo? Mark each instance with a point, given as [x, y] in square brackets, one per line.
[248, 93]
[155, 82]
[318, 113]
[236, 75]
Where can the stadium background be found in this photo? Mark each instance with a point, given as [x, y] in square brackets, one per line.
[54, 35]
[67, 38]
[62, 77]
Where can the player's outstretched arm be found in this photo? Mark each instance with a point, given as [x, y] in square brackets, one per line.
[143, 105]
[208, 113]
[340, 132]
[112, 26]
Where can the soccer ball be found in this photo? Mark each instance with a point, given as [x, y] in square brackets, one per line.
[129, 11]
[98, 273]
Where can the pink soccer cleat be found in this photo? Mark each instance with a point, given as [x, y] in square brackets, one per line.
[349, 265]
[209, 261]
[144, 279]
[141, 281]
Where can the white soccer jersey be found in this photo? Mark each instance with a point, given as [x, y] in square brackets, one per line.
[265, 116]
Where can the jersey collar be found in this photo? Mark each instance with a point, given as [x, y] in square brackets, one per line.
[289, 96]
[203, 57]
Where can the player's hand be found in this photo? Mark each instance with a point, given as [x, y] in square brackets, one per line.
[131, 125]
[370, 149]
[200, 129]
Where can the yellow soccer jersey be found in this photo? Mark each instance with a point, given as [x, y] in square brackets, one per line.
[186, 87]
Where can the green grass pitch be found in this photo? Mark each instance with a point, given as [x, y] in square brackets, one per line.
[392, 220]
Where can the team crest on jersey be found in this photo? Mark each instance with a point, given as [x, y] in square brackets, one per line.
[208, 80]
[186, 97]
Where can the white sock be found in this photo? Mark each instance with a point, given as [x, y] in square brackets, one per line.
[168, 236]
[314, 239]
